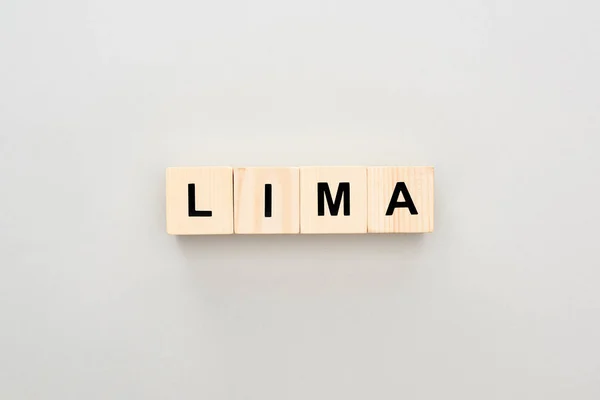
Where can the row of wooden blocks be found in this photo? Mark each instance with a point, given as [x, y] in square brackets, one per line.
[306, 200]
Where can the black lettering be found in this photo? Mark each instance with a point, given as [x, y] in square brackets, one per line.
[268, 200]
[408, 203]
[343, 191]
[192, 212]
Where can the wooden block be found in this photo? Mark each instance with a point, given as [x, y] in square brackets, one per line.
[400, 199]
[333, 200]
[267, 200]
[199, 201]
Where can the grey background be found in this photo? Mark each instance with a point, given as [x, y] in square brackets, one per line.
[97, 98]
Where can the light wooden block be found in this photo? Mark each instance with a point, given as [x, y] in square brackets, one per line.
[330, 186]
[200, 200]
[267, 200]
[394, 191]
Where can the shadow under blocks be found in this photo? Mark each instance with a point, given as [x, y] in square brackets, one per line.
[299, 200]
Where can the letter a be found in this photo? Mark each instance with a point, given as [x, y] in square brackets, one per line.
[408, 203]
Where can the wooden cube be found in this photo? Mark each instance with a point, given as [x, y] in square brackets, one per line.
[267, 200]
[333, 200]
[400, 199]
[200, 200]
